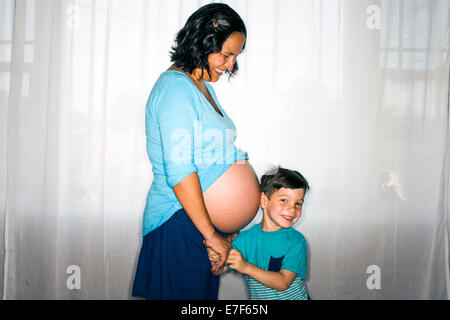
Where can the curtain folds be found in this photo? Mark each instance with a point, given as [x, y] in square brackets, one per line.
[354, 94]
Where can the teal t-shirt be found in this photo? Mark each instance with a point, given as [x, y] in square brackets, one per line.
[283, 249]
[184, 135]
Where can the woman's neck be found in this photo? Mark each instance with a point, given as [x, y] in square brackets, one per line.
[196, 76]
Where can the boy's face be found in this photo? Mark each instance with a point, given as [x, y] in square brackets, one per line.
[283, 209]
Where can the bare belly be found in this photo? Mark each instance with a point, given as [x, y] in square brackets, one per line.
[233, 199]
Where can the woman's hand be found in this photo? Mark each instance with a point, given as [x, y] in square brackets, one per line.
[232, 236]
[213, 257]
[220, 246]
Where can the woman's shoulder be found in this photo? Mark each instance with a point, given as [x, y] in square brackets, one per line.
[173, 93]
[172, 79]
[172, 86]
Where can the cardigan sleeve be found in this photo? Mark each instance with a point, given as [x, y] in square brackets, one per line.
[177, 118]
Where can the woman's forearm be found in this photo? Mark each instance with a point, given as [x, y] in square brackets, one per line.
[190, 196]
[189, 193]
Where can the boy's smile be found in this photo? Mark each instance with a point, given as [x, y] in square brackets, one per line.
[283, 209]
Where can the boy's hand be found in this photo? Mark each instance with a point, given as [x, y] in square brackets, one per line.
[236, 261]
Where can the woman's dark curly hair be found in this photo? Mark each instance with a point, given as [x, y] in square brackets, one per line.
[204, 33]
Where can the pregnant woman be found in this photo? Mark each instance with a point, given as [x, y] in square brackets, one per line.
[203, 187]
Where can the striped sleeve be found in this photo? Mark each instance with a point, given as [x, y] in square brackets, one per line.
[258, 291]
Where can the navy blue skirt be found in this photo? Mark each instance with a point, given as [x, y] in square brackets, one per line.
[173, 263]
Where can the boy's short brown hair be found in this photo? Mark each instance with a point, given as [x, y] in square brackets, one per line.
[279, 177]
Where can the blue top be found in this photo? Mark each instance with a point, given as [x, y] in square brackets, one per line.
[184, 135]
[283, 249]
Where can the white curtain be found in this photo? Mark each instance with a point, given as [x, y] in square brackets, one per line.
[352, 93]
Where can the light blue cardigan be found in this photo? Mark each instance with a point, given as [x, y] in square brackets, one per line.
[184, 135]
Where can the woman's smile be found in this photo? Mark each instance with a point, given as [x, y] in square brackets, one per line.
[218, 71]
[224, 60]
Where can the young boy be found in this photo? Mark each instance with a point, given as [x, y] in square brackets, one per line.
[272, 255]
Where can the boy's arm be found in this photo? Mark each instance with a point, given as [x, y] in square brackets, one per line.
[276, 280]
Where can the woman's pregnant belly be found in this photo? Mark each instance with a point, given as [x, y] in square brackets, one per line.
[233, 199]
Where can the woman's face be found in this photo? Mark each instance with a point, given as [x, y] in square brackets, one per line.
[225, 60]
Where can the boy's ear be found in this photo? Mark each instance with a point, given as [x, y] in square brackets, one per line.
[264, 200]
